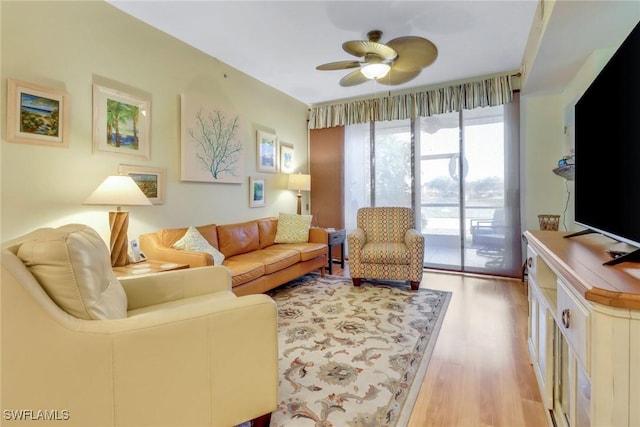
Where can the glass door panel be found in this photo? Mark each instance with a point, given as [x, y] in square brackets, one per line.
[440, 191]
[392, 162]
[485, 228]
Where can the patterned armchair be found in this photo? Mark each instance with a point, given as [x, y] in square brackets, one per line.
[386, 246]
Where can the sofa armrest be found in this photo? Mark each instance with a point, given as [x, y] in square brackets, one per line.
[153, 248]
[318, 235]
[145, 291]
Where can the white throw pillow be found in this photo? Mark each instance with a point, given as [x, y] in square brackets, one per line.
[194, 241]
[293, 228]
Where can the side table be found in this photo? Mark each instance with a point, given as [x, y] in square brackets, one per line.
[147, 267]
[336, 237]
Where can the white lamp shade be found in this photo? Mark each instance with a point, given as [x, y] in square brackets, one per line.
[118, 190]
[300, 182]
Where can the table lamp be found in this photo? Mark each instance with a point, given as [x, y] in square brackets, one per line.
[300, 182]
[118, 190]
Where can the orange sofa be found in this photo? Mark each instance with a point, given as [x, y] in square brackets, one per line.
[257, 263]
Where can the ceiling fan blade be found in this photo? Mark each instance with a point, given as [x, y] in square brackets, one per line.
[395, 77]
[414, 53]
[339, 65]
[353, 78]
[362, 47]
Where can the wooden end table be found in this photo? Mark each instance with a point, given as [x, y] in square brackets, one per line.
[149, 266]
[336, 237]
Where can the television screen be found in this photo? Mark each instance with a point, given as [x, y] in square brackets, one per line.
[607, 147]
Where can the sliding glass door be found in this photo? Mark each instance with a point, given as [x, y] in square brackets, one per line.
[458, 171]
[462, 183]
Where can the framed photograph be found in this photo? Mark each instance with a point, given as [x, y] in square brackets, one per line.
[256, 192]
[121, 123]
[37, 115]
[152, 181]
[266, 150]
[212, 142]
[286, 158]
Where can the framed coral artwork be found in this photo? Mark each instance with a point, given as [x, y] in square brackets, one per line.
[212, 142]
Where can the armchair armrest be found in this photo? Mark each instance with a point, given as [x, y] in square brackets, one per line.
[415, 242]
[159, 288]
[153, 248]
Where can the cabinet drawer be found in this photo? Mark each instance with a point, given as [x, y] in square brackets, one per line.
[573, 321]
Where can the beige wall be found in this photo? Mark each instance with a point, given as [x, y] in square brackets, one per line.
[70, 45]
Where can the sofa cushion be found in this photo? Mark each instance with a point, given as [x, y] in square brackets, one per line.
[386, 253]
[272, 259]
[293, 228]
[267, 228]
[239, 238]
[73, 266]
[194, 241]
[243, 271]
[307, 250]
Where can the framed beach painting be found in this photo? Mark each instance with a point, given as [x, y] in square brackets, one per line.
[286, 158]
[212, 142]
[37, 115]
[256, 192]
[266, 149]
[152, 181]
[121, 123]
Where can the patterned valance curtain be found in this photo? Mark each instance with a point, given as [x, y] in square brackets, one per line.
[483, 93]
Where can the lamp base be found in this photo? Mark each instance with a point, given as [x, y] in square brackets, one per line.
[119, 223]
[299, 204]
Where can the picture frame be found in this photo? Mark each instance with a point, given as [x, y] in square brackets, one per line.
[256, 192]
[152, 181]
[266, 152]
[287, 164]
[121, 123]
[37, 114]
[213, 142]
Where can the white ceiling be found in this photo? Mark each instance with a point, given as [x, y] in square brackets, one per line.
[281, 42]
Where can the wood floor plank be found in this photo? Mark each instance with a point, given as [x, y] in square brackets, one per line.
[479, 373]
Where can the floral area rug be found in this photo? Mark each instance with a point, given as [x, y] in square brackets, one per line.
[353, 356]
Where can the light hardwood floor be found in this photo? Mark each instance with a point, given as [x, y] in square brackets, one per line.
[479, 374]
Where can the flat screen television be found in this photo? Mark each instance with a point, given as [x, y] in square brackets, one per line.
[607, 151]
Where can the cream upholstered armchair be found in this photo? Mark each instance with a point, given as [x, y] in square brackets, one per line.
[386, 246]
[170, 349]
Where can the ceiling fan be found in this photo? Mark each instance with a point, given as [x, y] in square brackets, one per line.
[398, 61]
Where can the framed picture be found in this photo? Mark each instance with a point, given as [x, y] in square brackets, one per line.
[286, 158]
[266, 150]
[152, 181]
[212, 142]
[256, 192]
[121, 123]
[37, 115]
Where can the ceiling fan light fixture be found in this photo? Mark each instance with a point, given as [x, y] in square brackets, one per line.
[375, 71]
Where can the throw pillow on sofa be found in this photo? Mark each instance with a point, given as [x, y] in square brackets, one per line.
[293, 228]
[194, 241]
